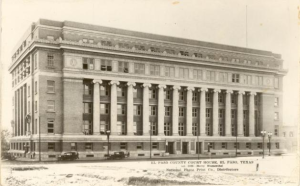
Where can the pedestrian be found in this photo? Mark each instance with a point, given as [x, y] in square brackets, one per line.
[33, 155]
[257, 166]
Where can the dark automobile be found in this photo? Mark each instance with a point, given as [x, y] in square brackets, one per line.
[117, 155]
[8, 156]
[68, 156]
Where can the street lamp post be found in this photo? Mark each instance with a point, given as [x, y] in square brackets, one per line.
[263, 134]
[198, 148]
[269, 136]
[107, 134]
[150, 131]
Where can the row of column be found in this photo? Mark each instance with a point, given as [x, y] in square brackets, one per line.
[175, 110]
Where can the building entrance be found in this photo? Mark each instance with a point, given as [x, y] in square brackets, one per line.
[198, 147]
[185, 147]
[170, 147]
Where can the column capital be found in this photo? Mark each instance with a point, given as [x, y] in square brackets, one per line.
[241, 92]
[217, 90]
[190, 88]
[161, 86]
[131, 83]
[97, 81]
[229, 91]
[203, 89]
[252, 93]
[146, 85]
[114, 82]
[176, 87]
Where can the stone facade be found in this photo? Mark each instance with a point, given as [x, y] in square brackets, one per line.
[77, 81]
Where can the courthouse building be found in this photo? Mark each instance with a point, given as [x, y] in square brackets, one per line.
[76, 81]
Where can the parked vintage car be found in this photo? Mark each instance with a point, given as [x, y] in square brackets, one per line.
[118, 155]
[8, 156]
[68, 156]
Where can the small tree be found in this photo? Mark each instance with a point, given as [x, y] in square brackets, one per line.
[5, 136]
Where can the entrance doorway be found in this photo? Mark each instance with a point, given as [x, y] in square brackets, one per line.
[185, 147]
[198, 147]
[170, 147]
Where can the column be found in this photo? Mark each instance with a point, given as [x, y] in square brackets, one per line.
[146, 126]
[96, 106]
[189, 108]
[202, 112]
[240, 128]
[161, 110]
[175, 147]
[228, 113]
[216, 112]
[251, 115]
[130, 86]
[113, 107]
[175, 110]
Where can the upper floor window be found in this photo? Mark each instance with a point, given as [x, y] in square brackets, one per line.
[208, 113]
[104, 108]
[50, 86]
[153, 110]
[169, 51]
[124, 45]
[210, 75]
[50, 60]
[167, 111]
[276, 115]
[139, 47]
[221, 98]
[194, 112]
[195, 96]
[137, 110]
[233, 114]
[169, 71]
[235, 78]
[167, 94]
[154, 70]
[291, 134]
[121, 109]
[184, 53]
[276, 101]
[106, 65]
[35, 61]
[50, 123]
[211, 57]
[121, 91]
[104, 90]
[181, 111]
[181, 95]
[88, 63]
[223, 77]
[197, 74]
[233, 99]
[106, 43]
[123, 67]
[207, 97]
[87, 88]
[139, 68]
[221, 113]
[51, 106]
[152, 94]
[87, 108]
[198, 55]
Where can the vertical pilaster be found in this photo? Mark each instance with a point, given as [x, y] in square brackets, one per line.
[175, 111]
[130, 108]
[113, 107]
[161, 109]
[96, 107]
[228, 113]
[146, 126]
[216, 112]
[251, 114]
[202, 111]
[240, 128]
[189, 107]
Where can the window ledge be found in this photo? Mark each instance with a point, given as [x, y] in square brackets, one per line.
[49, 111]
[50, 92]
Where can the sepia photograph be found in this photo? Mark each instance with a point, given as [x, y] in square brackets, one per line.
[149, 92]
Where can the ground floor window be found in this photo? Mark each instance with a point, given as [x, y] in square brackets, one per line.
[74, 146]
[236, 145]
[139, 146]
[259, 145]
[248, 145]
[224, 145]
[88, 146]
[155, 145]
[123, 146]
[277, 145]
[51, 146]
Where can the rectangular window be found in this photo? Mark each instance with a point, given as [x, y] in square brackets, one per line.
[207, 97]
[208, 113]
[104, 108]
[87, 127]
[167, 129]
[167, 111]
[224, 145]
[153, 128]
[248, 145]
[73, 146]
[236, 146]
[35, 106]
[139, 68]
[259, 145]
[211, 145]
[233, 99]
[123, 146]
[181, 95]
[87, 88]
[276, 115]
[153, 49]
[184, 53]
[88, 146]
[235, 78]
[221, 113]
[50, 60]
[233, 114]
[195, 96]
[137, 110]
[87, 108]
[195, 129]
[106, 43]
[276, 101]
[50, 123]
[186, 73]
[104, 90]
[51, 146]
[169, 51]
[123, 67]
[121, 127]
[194, 112]
[221, 98]
[167, 94]
[181, 73]
[51, 106]
[104, 126]
[50, 86]
[155, 145]
[121, 91]
[169, 71]
[106, 65]
[153, 110]
[198, 55]
[124, 45]
[181, 129]
[181, 111]
[88, 63]
[121, 109]
[152, 94]
[139, 145]
[140, 47]
[277, 145]
[154, 70]
[35, 87]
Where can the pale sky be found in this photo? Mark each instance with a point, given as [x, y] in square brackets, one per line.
[272, 26]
